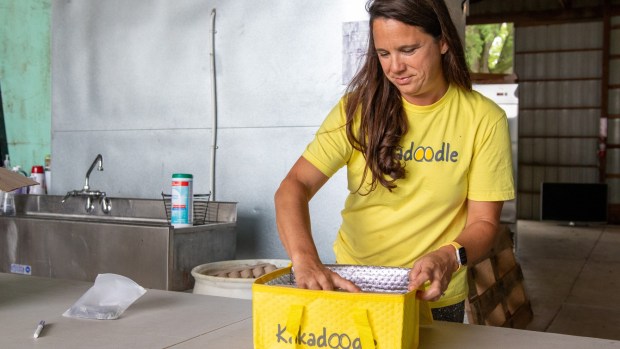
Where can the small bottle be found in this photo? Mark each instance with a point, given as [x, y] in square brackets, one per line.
[7, 162]
[48, 173]
[182, 200]
[38, 175]
[47, 162]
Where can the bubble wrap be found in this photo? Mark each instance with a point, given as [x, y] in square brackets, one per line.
[369, 278]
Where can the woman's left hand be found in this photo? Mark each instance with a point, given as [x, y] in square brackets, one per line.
[437, 268]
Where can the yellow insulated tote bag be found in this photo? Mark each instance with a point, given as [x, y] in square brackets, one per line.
[383, 316]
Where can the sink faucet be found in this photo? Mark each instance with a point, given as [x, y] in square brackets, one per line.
[106, 205]
[99, 162]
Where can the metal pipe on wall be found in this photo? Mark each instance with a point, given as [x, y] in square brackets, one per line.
[4, 145]
[214, 104]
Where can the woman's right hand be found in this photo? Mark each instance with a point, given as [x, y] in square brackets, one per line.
[293, 221]
[319, 277]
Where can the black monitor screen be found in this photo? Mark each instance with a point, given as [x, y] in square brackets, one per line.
[573, 202]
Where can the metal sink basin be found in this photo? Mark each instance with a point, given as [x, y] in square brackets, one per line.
[61, 240]
[130, 211]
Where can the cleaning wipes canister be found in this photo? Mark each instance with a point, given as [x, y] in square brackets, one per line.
[181, 201]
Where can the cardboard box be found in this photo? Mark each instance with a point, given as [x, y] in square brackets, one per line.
[10, 180]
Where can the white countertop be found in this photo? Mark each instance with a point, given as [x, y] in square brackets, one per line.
[164, 319]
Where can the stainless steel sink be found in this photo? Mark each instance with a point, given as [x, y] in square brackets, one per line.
[137, 211]
[61, 240]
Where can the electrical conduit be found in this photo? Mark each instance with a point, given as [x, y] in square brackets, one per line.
[214, 104]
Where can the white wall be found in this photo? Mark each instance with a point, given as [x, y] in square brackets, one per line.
[131, 80]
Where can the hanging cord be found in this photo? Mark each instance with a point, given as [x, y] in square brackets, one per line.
[214, 104]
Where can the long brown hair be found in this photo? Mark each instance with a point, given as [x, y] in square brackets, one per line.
[383, 121]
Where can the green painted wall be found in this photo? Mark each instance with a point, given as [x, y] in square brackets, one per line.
[25, 79]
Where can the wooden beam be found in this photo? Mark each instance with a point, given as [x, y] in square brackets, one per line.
[566, 3]
[542, 17]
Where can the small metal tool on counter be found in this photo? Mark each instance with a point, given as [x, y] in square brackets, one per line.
[40, 326]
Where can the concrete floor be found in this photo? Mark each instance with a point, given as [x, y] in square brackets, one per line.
[572, 277]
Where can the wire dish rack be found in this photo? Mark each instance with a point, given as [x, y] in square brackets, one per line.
[201, 207]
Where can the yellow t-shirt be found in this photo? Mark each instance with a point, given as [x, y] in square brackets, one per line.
[455, 149]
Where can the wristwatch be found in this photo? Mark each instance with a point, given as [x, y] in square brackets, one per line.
[461, 254]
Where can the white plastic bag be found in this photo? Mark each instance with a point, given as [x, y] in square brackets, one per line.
[109, 297]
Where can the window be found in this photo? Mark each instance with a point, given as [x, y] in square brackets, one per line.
[489, 48]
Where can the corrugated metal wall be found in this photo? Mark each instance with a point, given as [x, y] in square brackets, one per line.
[494, 7]
[613, 123]
[559, 70]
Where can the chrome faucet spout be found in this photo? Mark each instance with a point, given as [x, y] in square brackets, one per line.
[69, 194]
[99, 162]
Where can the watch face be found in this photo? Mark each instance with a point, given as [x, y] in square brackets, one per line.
[462, 256]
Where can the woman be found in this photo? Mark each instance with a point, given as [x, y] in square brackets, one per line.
[428, 162]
